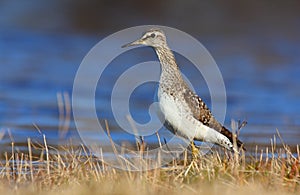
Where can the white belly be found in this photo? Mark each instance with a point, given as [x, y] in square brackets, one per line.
[179, 116]
[176, 114]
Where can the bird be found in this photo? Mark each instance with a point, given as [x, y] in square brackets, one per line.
[185, 113]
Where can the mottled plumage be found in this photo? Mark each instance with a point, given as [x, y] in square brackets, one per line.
[185, 113]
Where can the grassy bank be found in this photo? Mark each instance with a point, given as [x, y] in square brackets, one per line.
[69, 170]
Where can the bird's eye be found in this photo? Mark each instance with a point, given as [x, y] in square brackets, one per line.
[152, 35]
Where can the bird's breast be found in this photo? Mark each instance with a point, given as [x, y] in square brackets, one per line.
[176, 115]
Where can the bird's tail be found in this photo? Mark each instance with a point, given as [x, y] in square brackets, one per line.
[229, 135]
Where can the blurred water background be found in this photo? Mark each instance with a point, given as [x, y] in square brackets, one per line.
[255, 44]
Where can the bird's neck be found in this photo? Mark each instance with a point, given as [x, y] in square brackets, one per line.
[169, 69]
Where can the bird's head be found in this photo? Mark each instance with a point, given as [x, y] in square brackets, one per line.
[153, 37]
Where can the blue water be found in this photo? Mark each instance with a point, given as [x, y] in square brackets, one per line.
[261, 76]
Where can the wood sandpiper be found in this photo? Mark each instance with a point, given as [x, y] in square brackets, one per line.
[184, 111]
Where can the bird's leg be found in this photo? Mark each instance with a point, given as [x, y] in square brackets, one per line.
[195, 151]
[195, 156]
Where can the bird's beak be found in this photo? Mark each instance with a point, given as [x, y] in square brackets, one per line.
[137, 42]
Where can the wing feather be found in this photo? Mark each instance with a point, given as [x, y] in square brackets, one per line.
[202, 113]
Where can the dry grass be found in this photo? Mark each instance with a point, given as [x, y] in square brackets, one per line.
[70, 170]
[43, 169]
